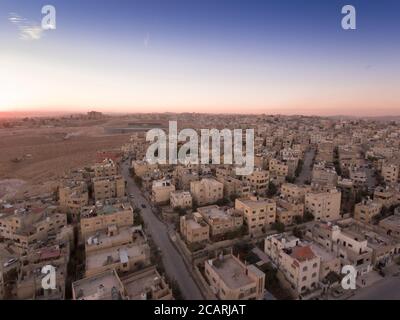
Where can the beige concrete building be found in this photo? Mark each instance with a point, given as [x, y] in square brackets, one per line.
[279, 168]
[298, 263]
[108, 187]
[231, 279]
[73, 195]
[324, 176]
[258, 181]
[103, 286]
[143, 168]
[235, 187]
[387, 196]
[26, 225]
[258, 212]
[193, 228]
[146, 284]
[390, 172]
[324, 206]
[221, 220]
[366, 210]
[96, 218]
[288, 209]
[181, 199]
[206, 191]
[161, 191]
[391, 225]
[106, 168]
[290, 190]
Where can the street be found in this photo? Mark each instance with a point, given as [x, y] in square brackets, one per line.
[173, 262]
[386, 289]
[305, 174]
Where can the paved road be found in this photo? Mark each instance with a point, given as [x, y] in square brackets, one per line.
[386, 289]
[173, 262]
[305, 174]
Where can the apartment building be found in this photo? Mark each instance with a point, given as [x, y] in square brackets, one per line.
[277, 167]
[350, 246]
[235, 187]
[108, 187]
[146, 284]
[358, 176]
[193, 228]
[73, 195]
[287, 209]
[206, 191]
[102, 286]
[161, 191]
[387, 196]
[366, 210]
[181, 199]
[324, 176]
[231, 279]
[221, 220]
[143, 168]
[106, 168]
[297, 261]
[391, 225]
[290, 190]
[324, 206]
[258, 181]
[126, 258]
[390, 172]
[27, 224]
[99, 217]
[257, 212]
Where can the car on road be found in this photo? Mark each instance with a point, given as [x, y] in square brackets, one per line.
[143, 206]
[10, 262]
[131, 195]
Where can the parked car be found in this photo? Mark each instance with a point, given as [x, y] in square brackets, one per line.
[143, 206]
[10, 262]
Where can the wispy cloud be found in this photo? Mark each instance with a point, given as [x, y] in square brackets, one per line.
[146, 40]
[28, 30]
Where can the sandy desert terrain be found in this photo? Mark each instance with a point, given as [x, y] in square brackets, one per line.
[31, 160]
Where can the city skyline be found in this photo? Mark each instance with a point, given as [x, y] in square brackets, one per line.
[268, 57]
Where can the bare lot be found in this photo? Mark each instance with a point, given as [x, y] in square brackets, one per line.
[39, 156]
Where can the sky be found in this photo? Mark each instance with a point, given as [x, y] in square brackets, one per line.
[222, 56]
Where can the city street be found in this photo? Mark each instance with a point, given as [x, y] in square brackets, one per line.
[386, 289]
[305, 174]
[173, 262]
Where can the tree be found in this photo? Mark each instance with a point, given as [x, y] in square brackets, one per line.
[308, 216]
[297, 233]
[138, 180]
[180, 211]
[278, 226]
[272, 189]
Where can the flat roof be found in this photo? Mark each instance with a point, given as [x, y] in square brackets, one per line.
[232, 272]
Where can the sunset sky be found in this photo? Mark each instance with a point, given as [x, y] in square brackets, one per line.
[271, 56]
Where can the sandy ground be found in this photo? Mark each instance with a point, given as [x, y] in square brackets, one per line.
[32, 160]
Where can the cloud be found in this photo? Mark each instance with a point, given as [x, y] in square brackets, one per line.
[146, 40]
[28, 30]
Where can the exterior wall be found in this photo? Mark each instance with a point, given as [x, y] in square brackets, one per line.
[324, 206]
[206, 191]
[93, 224]
[106, 188]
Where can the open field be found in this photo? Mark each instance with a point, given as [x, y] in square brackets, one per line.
[35, 157]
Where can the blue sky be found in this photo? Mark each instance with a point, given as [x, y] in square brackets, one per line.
[225, 56]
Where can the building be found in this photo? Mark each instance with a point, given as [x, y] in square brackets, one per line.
[126, 258]
[288, 209]
[324, 206]
[73, 195]
[206, 191]
[193, 228]
[366, 210]
[297, 261]
[234, 187]
[143, 168]
[106, 168]
[99, 217]
[258, 181]
[231, 279]
[103, 286]
[146, 284]
[324, 176]
[387, 196]
[391, 225]
[290, 190]
[221, 220]
[279, 168]
[180, 199]
[161, 191]
[27, 224]
[390, 172]
[257, 212]
[108, 187]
